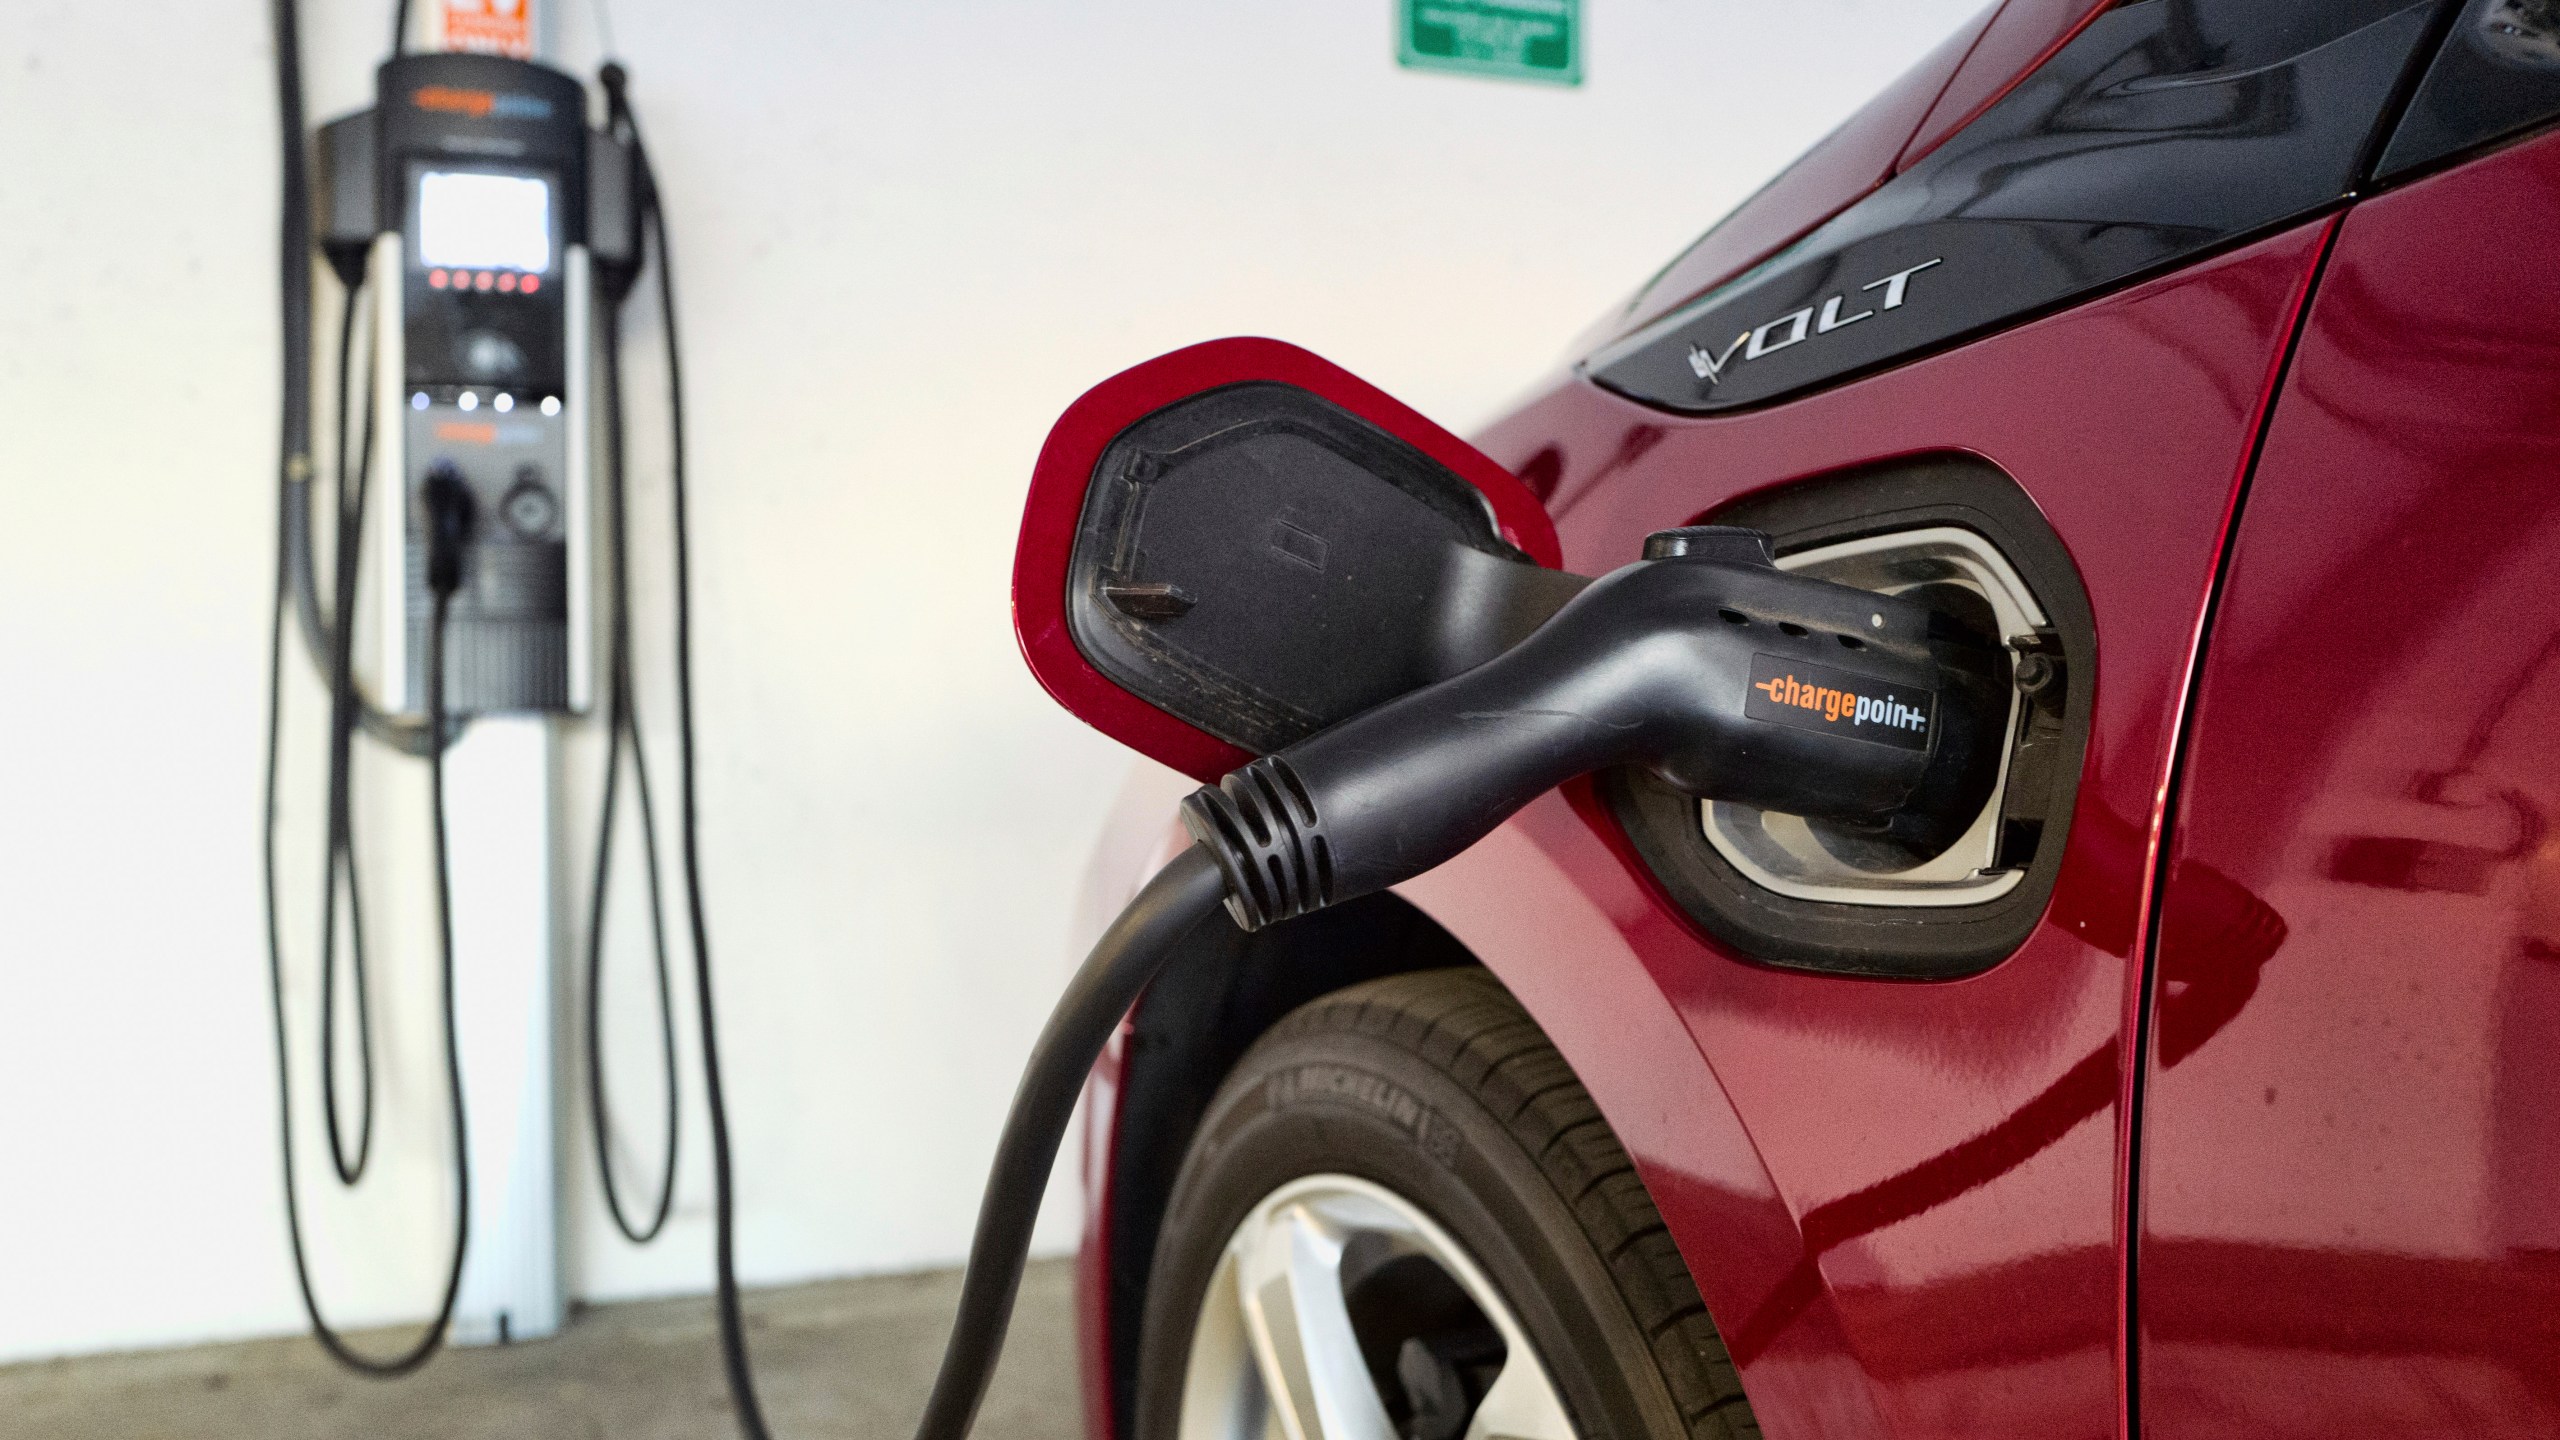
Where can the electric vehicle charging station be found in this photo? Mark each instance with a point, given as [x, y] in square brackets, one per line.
[465, 210]
[480, 167]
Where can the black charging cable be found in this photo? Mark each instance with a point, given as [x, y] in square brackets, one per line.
[622, 729]
[450, 520]
[1146, 933]
[450, 523]
[339, 866]
[623, 123]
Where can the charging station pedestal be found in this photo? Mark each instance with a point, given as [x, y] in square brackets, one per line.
[502, 807]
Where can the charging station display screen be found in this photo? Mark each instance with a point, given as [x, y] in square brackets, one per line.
[473, 220]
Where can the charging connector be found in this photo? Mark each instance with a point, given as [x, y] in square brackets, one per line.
[452, 516]
[1724, 676]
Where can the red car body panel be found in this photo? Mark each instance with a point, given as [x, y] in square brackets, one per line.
[1905, 1218]
[1902, 1201]
[2351, 1208]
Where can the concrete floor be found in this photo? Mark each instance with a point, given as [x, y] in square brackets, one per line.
[841, 1360]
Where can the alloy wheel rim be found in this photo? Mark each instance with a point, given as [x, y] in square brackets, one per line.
[1338, 1310]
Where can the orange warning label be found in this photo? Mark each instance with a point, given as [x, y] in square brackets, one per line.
[487, 27]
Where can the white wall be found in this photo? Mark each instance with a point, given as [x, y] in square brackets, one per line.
[908, 235]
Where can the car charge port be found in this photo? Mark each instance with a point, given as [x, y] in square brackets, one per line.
[1970, 587]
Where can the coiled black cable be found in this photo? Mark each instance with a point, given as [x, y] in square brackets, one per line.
[622, 725]
[433, 1337]
[339, 868]
[294, 581]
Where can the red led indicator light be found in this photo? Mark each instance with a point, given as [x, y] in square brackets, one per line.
[532, 283]
[483, 280]
[435, 279]
[506, 282]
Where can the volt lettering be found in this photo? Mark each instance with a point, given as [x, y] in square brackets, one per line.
[1797, 326]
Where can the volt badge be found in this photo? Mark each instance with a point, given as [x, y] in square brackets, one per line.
[1835, 702]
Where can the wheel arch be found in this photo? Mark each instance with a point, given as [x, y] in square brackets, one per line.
[1556, 906]
[1209, 1005]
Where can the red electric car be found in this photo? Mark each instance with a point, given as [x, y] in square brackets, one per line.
[2205, 355]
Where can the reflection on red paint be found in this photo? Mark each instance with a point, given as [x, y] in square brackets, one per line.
[2351, 1213]
[2235, 931]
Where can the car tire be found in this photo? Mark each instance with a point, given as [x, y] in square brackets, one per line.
[1432, 1096]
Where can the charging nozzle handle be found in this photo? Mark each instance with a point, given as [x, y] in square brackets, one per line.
[1653, 665]
[451, 517]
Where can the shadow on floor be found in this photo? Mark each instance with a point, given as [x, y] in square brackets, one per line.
[842, 1360]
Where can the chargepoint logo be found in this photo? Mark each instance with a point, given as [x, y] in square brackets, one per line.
[1838, 705]
[1816, 697]
[1797, 326]
[480, 104]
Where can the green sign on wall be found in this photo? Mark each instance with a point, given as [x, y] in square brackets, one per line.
[1512, 39]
